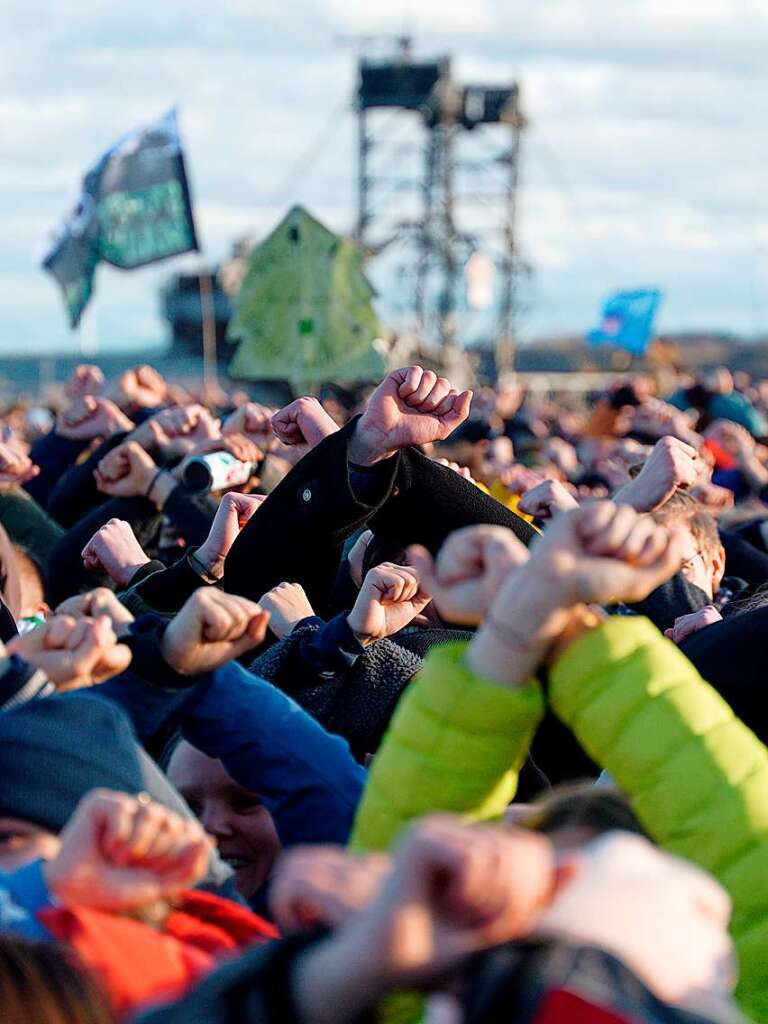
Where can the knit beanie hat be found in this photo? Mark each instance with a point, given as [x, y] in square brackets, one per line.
[55, 750]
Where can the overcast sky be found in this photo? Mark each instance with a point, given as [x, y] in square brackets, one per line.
[646, 162]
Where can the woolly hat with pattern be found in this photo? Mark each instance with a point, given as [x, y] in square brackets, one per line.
[55, 750]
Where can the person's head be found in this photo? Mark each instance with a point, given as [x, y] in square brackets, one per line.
[52, 753]
[235, 817]
[703, 557]
[573, 815]
[41, 982]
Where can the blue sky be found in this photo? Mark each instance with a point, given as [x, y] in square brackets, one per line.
[645, 163]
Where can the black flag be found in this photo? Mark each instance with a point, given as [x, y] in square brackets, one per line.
[134, 209]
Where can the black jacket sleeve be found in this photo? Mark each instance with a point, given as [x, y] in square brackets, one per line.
[76, 494]
[67, 576]
[53, 454]
[430, 501]
[730, 655]
[673, 598]
[191, 513]
[298, 533]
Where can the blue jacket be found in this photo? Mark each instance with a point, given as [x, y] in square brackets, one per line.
[306, 777]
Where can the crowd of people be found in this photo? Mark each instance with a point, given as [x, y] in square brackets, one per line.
[408, 704]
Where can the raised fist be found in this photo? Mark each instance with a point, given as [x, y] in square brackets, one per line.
[469, 569]
[672, 465]
[120, 852]
[411, 406]
[211, 629]
[89, 417]
[86, 379]
[287, 605]
[390, 598]
[303, 424]
[73, 652]
[127, 471]
[547, 499]
[114, 549]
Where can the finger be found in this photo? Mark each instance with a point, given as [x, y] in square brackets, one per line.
[217, 623]
[427, 382]
[446, 405]
[116, 823]
[410, 382]
[440, 389]
[592, 519]
[57, 630]
[636, 540]
[611, 539]
[460, 410]
[112, 662]
[147, 821]
[423, 563]
[77, 634]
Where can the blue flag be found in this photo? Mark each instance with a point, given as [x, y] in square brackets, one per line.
[627, 320]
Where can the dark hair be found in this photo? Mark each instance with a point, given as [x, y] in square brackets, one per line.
[596, 808]
[42, 983]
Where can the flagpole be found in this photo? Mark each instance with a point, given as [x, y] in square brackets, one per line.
[208, 320]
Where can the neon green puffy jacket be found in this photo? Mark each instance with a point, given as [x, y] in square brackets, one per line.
[696, 776]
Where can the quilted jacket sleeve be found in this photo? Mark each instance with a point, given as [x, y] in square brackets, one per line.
[697, 777]
[455, 744]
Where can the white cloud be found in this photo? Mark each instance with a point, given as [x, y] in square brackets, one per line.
[645, 161]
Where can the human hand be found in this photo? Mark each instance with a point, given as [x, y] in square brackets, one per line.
[287, 605]
[253, 420]
[601, 553]
[562, 455]
[734, 438]
[73, 652]
[713, 497]
[141, 386]
[127, 471]
[356, 556]
[469, 569]
[463, 471]
[16, 468]
[324, 886]
[96, 603]
[178, 430]
[89, 417]
[411, 406]
[85, 379]
[114, 549]
[119, 853]
[390, 598]
[303, 424]
[234, 511]
[519, 479]
[547, 499]
[655, 418]
[454, 889]
[211, 629]
[672, 465]
[687, 625]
